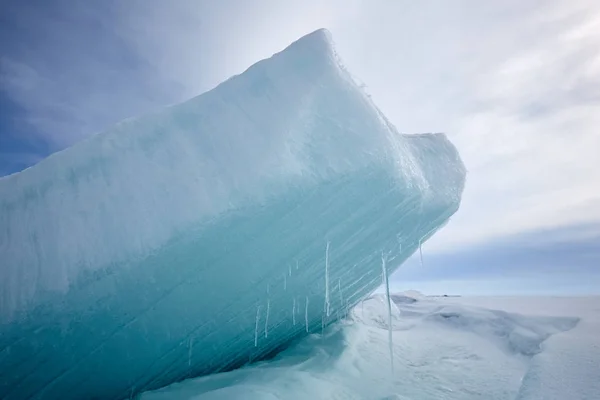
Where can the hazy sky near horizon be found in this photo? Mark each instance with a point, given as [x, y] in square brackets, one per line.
[515, 85]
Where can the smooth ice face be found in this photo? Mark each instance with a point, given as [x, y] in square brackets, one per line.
[211, 233]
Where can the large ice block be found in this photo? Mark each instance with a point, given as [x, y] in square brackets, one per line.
[211, 233]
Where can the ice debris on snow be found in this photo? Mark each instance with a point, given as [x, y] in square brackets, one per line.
[165, 228]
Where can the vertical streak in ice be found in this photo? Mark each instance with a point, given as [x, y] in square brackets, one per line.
[362, 308]
[284, 282]
[190, 346]
[389, 307]
[340, 292]
[256, 326]
[327, 279]
[267, 318]
[294, 312]
[306, 314]
[296, 264]
[290, 268]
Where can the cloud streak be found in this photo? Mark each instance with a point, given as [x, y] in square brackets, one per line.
[555, 261]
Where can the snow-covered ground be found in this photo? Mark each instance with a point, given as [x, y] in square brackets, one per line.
[443, 348]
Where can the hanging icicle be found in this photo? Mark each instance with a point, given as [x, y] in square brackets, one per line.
[267, 318]
[294, 312]
[256, 326]
[389, 307]
[306, 314]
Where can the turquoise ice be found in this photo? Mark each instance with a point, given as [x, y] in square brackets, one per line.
[211, 233]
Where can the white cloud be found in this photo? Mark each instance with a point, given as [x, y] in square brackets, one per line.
[515, 84]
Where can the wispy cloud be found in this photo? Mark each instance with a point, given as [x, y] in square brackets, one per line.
[517, 87]
[75, 69]
[66, 72]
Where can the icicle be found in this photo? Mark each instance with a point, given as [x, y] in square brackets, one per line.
[306, 314]
[256, 326]
[290, 269]
[327, 279]
[389, 306]
[190, 346]
[421, 252]
[362, 308]
[294, 312]
[267, 319]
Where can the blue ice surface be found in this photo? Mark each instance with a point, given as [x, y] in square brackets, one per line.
[212, 233]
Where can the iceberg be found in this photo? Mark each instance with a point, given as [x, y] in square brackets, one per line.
[212, 233]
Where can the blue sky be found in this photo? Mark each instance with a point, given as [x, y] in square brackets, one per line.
[562, 261]
[516, 85]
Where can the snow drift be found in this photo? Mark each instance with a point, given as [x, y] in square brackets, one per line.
[433, 358]
[212, 233]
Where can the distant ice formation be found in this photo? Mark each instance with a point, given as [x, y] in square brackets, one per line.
[182, 243]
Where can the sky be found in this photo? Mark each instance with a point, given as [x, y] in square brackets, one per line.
[514, 84]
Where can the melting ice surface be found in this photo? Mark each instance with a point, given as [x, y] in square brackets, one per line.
[212, 233]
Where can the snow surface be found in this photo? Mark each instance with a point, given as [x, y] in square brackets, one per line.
[211, 233]
[569, 365]
[444, 348]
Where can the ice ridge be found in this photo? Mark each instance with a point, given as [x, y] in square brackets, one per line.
[181, 243]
